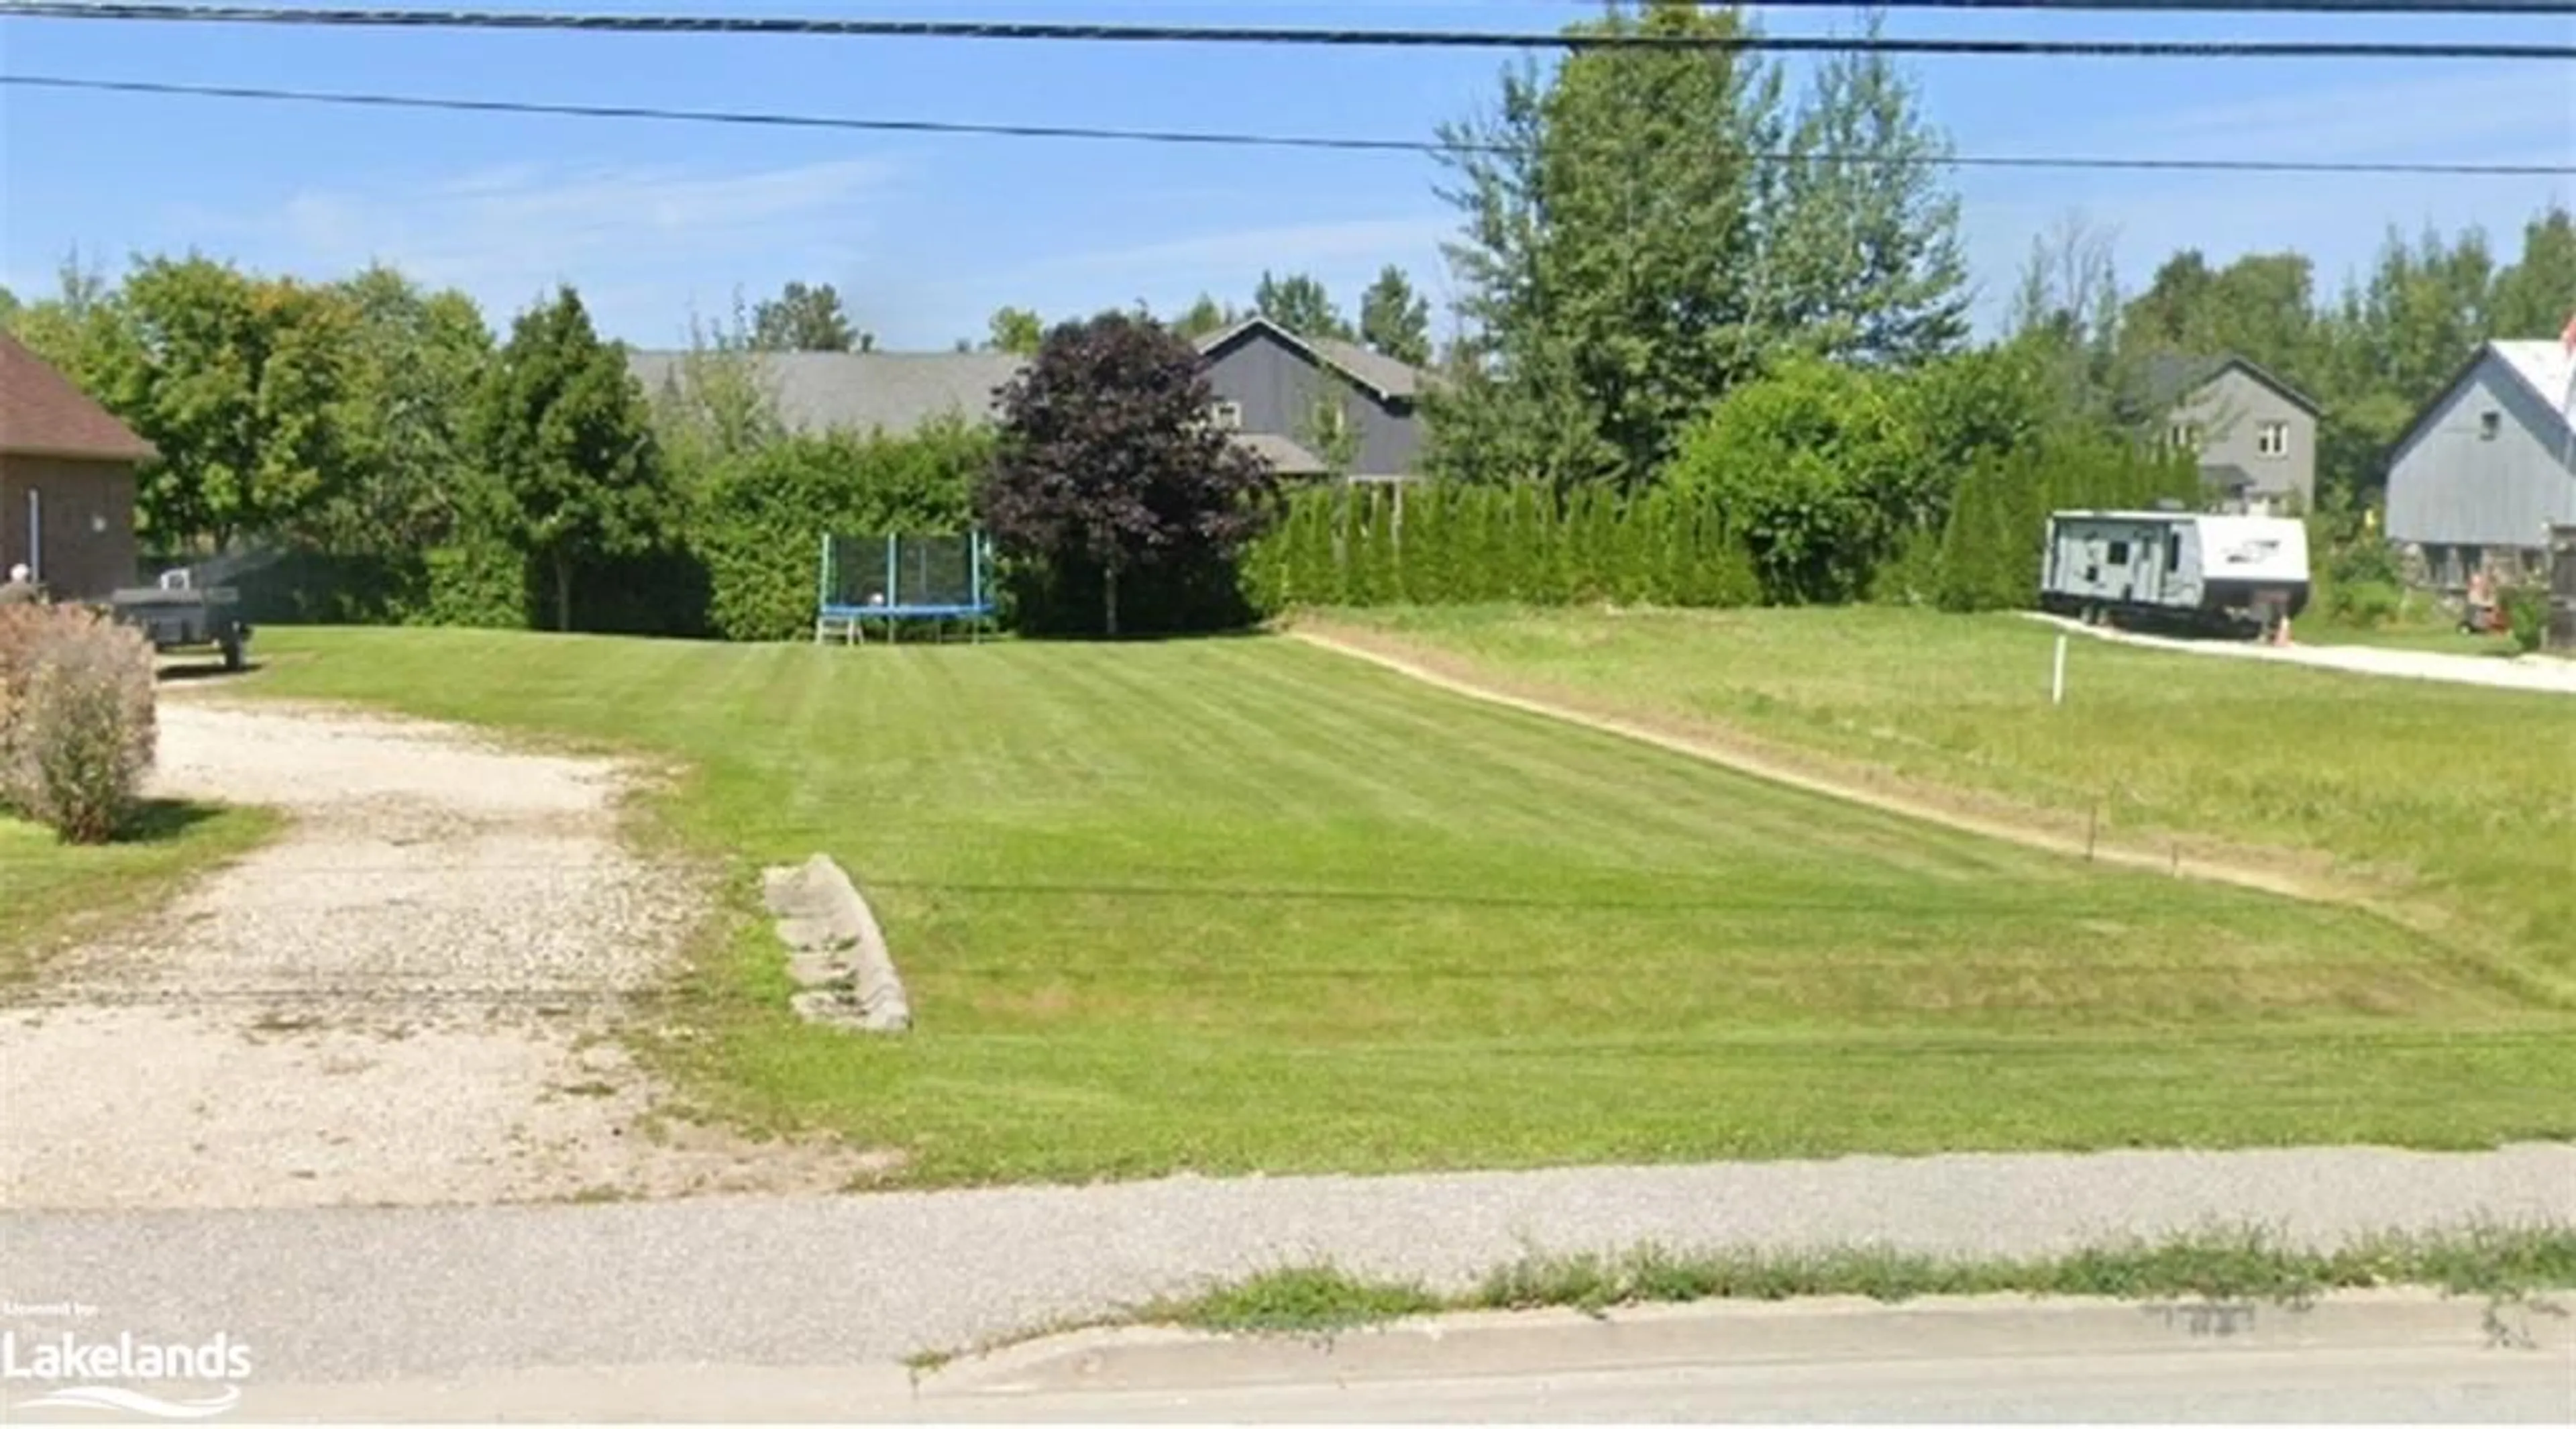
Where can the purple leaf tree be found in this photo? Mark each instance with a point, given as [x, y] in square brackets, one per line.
[1110, 466]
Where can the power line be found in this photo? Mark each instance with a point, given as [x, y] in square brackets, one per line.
[1228, 139]
[1274, 35]
[2187, 7]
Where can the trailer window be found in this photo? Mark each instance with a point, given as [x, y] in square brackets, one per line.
[2119, 553]
[2173, 550]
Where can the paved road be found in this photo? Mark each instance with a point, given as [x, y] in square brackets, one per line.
[2441, 1383]
[370, 1294]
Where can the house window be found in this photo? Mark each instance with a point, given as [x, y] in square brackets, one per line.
[2273, 439]
[2185, 436]
[2489, 423]
[1228, 416]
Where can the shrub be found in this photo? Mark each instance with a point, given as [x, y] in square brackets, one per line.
[76, 719]
[2526, 612]
[2365, 604]
[2364, 561]
[1465, 545]
[759, 517]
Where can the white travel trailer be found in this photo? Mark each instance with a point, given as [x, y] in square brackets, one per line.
[2176, 567]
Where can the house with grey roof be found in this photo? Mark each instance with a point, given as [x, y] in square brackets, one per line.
[1303, 401]
[2254, 434]
[862, 392]
[1308, 406]
[2488, 466]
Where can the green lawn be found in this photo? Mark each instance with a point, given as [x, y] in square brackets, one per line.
[1244, 904]
[2430, 635]
[53, 891]
[2459, 801]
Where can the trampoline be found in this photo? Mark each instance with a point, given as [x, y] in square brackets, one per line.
[901, 579]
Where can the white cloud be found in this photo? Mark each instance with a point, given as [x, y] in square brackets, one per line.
[506, 234]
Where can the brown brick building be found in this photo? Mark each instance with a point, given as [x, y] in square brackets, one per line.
[66, 481]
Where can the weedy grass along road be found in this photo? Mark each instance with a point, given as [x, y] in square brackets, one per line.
[1237, 905]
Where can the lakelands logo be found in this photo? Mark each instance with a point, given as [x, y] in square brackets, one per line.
[70, 1365]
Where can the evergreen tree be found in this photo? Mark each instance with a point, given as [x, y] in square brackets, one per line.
[565, 435]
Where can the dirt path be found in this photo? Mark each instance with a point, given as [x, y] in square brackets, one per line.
[2241, 868]
[404, 1000]
[2544, 675]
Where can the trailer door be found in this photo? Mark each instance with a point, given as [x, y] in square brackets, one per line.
[2146, 566]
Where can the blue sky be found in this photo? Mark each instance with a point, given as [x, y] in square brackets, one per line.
[926, 235]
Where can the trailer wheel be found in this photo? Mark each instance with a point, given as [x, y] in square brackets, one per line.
[233, 653]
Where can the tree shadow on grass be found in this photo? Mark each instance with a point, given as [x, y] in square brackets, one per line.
[1145, 637]
[161, 821]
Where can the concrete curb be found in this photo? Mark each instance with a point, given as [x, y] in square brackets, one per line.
[1751, 1333]
[833, 937]
[1055, 1377]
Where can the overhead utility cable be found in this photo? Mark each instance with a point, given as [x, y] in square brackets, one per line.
[1220, 138]
[1273, 35]
[2180, 7]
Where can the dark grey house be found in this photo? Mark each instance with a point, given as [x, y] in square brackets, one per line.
[2254, 434]
[1297, 399]
[1298, 402]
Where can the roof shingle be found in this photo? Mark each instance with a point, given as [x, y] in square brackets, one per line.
[862, 391]
[43, 414]
[1390, 379]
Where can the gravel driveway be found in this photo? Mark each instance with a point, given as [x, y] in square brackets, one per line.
[2546, 674]
[400, 1001]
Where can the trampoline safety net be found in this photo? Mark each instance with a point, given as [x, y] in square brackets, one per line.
[897, 575]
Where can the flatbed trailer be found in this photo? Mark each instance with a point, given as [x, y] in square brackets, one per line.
[176, 615]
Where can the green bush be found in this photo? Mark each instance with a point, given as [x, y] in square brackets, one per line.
[758, 519]
[1819, 469]
[1995, 539]
[2526, 612]
[476, 584]
[2365, 560]
[2365, 604]
[1439, 543]
[76, 719]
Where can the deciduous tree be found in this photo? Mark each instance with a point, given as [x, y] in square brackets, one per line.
[1395, 320]
[1205, 316]
[1299, 303]
[243, 384]
[1109, 467]
[2535, 295]
[564, 432]
[1626, 260]
[803, 319]
[1015, 330]
[1860, 231]
[417, 358]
